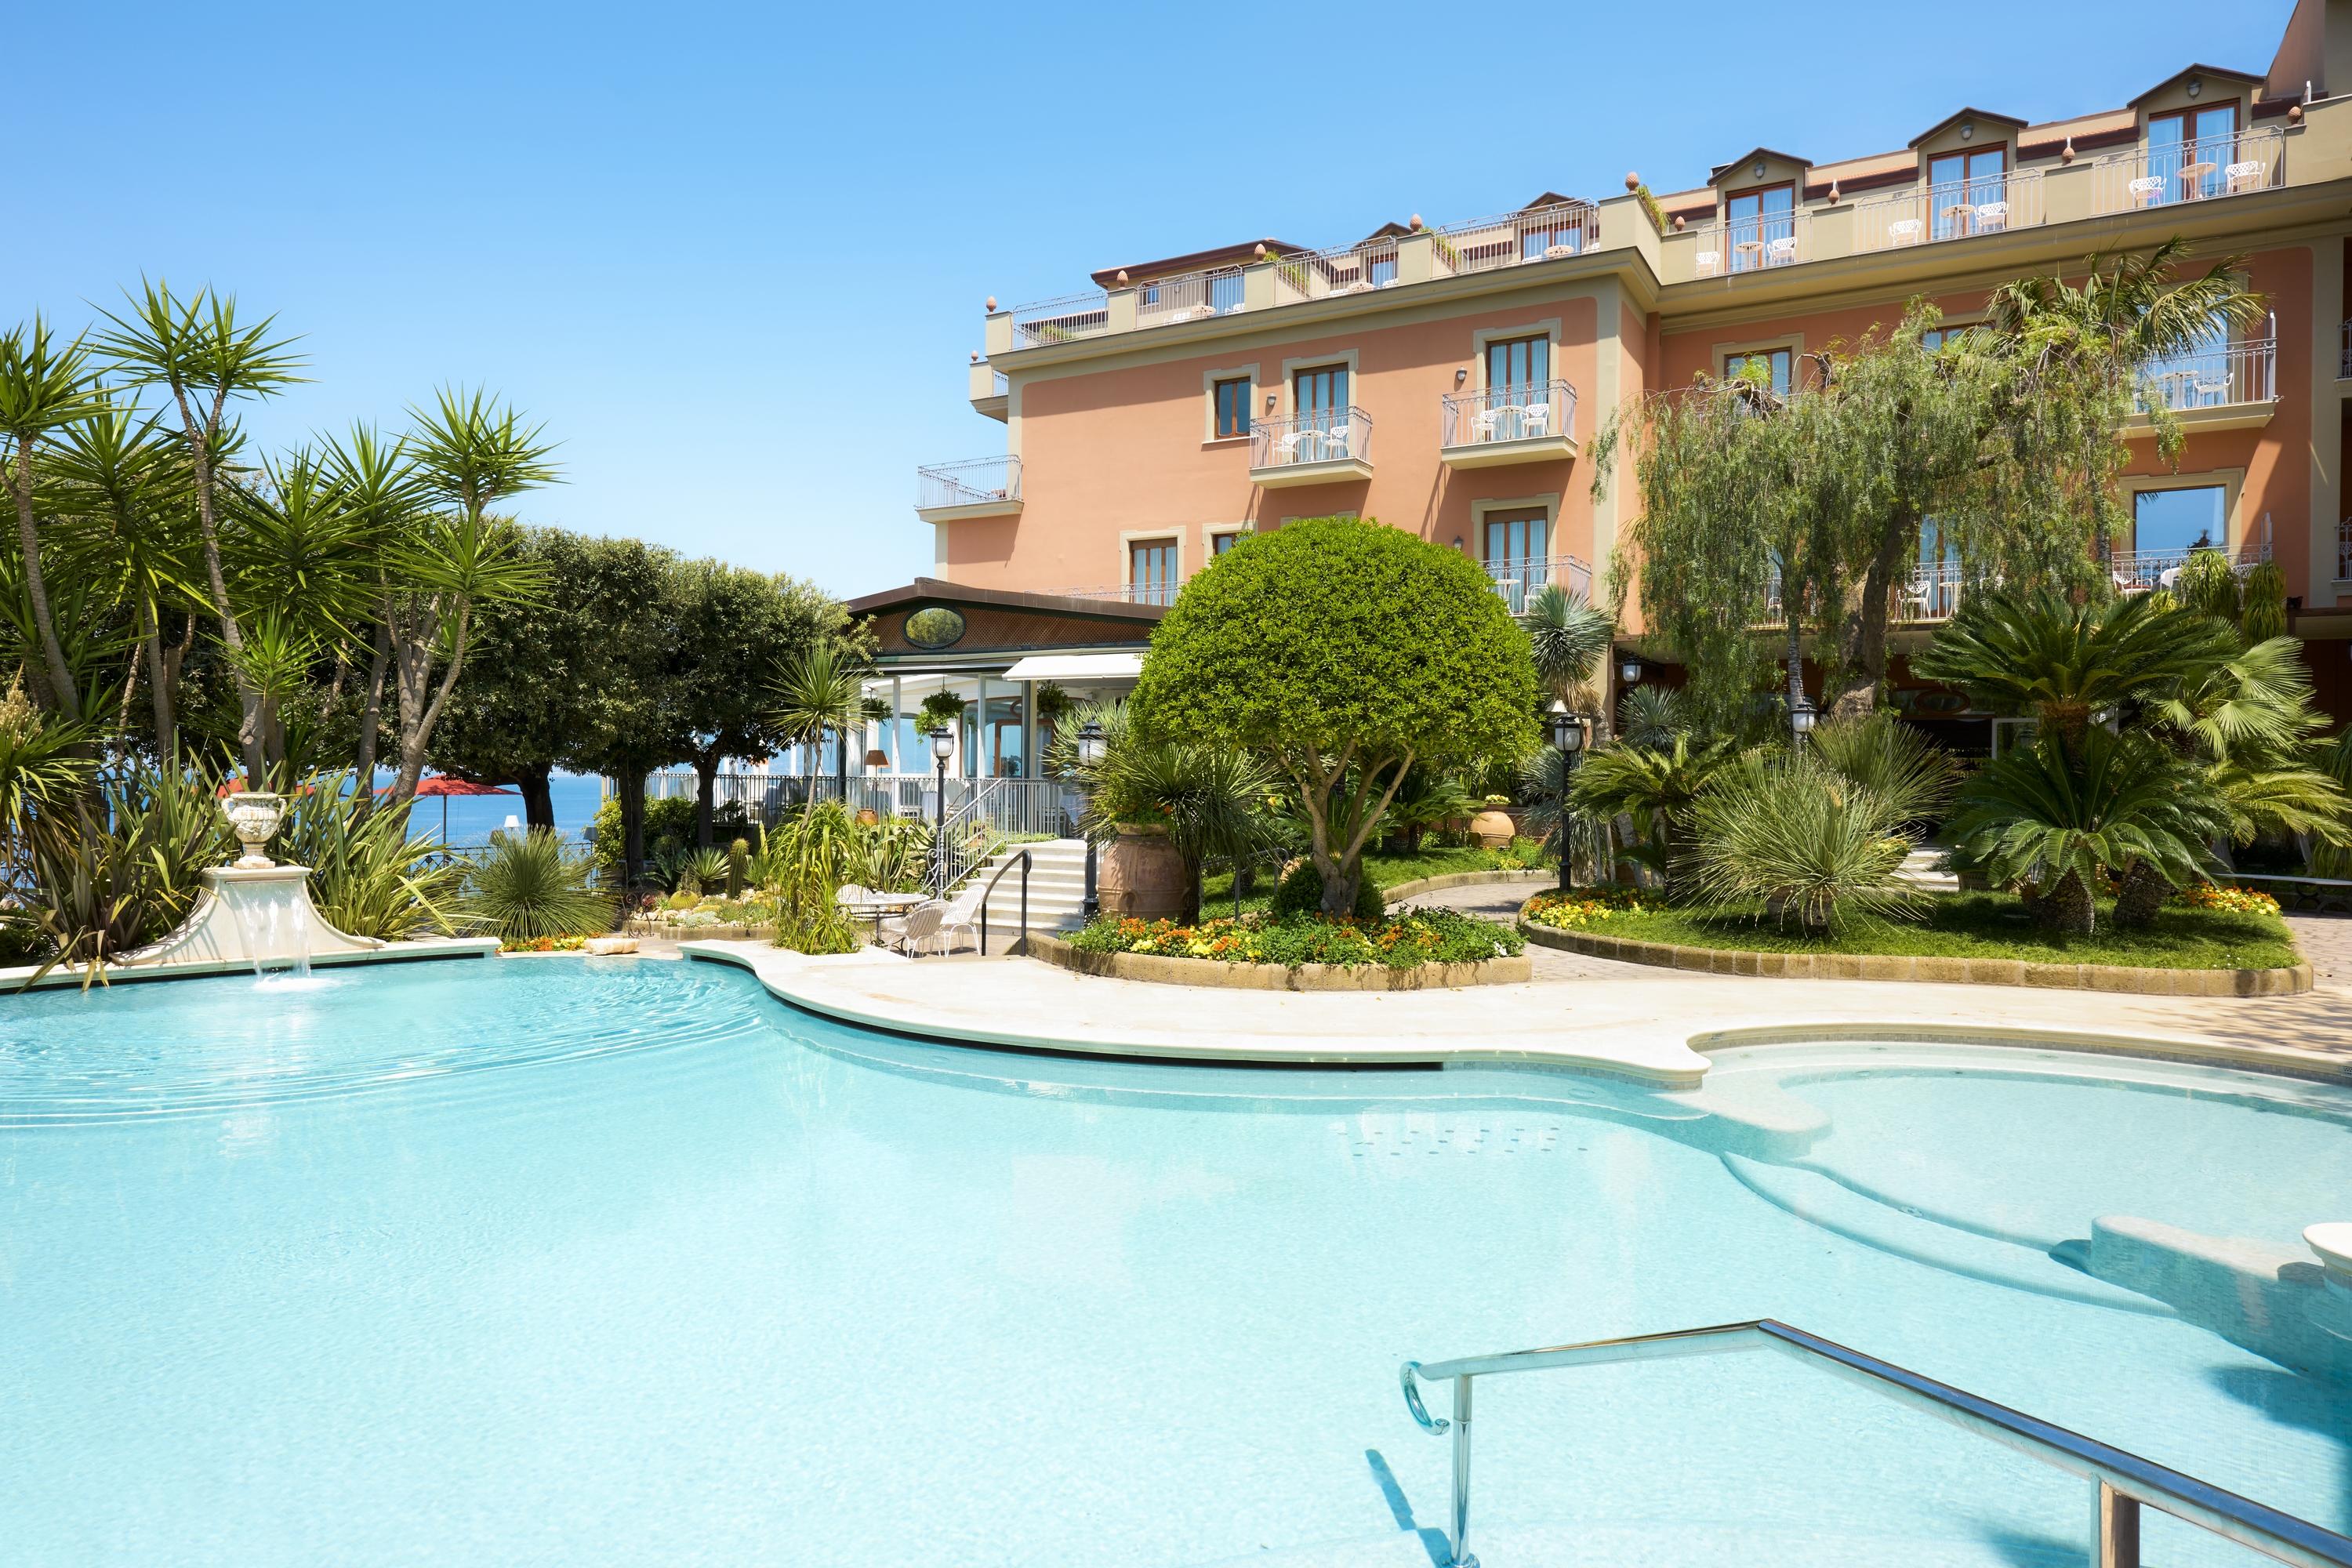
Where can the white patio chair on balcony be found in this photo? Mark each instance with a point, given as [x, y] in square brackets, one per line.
[1554, 252]
[2245, 176]
[1709, 263]
[1781, 251]
[1992, 215]
[2146, 191]
[1903, 231]
[1486, 424]
[1285, 447]
[1535, 419]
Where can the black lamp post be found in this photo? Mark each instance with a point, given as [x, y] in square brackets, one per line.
[1090, 756]
[1568, 735]
[1630, 671]
[1801, 718]
[942, 748]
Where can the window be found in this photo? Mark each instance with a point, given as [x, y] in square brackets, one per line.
[1380, 270]
[1151, 571]
[1959, 183]
[2175, 521]
[1320, 398]
[2191, 150]
[1221, 543]
[1760, 226]
[1777, 363]
[1226, 292]
[1934, 338]
[1517, 554]
[1519, 363]
[2204, 375]
[1232, 407]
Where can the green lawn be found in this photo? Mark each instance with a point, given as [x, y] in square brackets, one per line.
[1388, 870]
[1985, 925]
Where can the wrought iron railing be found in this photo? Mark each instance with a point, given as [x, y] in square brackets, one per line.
[1356, 269]
[2215, 378]
[1510, 413]
[1751, 244]
[976, 482]
[1062, 320]
[1956, 209]
[1160, 594]
[1193, 296]
[1520, 581]
[1322, 436]
[1515, 239]
[2165, 174]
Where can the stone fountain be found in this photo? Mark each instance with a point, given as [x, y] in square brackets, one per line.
[253, 911]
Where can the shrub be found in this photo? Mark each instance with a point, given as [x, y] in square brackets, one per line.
[1582, 909]
[1300, 892]
[530, 885]
[1793, 833]
[1406, 942]
[106, 882]
[368, 877]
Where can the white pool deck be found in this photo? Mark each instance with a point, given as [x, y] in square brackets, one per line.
[1648, 1024]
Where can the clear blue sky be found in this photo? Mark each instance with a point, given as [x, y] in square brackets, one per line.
[735, 256]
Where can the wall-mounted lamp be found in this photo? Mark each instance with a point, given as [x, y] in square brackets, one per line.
[1760, 168]
[1461, 373]
[1269, 402]
[2195, 87]
[1968, 130]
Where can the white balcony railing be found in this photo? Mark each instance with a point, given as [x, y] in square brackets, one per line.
[1751, 244]
[1510, 413]
[1957, 209]
[1518, 581]
[2168, 174]
[1513, 239]
[1062, 320]
[1324, 436]
[1192, 296]
[1160, 594]
[2135, 570]
[2226, 374]
[977, 481]
[1344, 269]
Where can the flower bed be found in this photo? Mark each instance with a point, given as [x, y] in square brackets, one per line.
[544, 944]
[2236, 900]
[1403, 941]
[1582, 909]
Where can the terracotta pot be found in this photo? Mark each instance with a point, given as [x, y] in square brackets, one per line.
[1494, 828]
[1141, 875]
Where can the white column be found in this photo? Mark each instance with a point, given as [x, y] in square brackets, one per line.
[978, 734]
[897, 724]
[1029, 768]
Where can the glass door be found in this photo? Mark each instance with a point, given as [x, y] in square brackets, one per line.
[1961, 187]
[1152, 572]
[1517, 554]
[1320, 398]
[1760, 226]
[2189, 152]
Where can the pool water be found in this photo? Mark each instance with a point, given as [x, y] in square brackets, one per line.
[619, 1261]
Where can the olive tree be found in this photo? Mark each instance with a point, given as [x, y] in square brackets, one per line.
[1345, 653]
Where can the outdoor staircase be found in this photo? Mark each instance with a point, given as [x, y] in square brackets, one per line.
[1058, 884]
[1923, 868]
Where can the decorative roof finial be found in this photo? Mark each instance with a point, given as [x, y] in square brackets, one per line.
[1632, 181]
[1123, 277]
[991, 304]
[2066, 154]
[1415, 224]
[1834, 196]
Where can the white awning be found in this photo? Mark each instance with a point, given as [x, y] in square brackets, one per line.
[1076, 667]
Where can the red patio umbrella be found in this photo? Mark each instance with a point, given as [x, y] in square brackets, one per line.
[445, 787]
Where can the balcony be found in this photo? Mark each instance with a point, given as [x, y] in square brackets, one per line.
[1161, 594]
[1504, 424]
[1192, 297]
[2230, 387]
[2181, 173]
[1957, 209]
[1551, 233]
[1327, 447]
[1751, 244]
[1062, 320]
[979, 487]
[1520, 581]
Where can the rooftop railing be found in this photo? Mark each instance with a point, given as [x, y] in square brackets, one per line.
[1751, 244]
[1062, 320]
[1344, 269]
[1160, 594]
[1957, 209]
[1513, 239]
[1192, 296]
[1520, 581]
[973, 482]
[2160, 175]
[1510, 413]
[1322, 436]
[2242, 372]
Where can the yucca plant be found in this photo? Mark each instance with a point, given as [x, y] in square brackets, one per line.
[103, 880]
[1906, 772]
[890, 854]
[704, 870]
[808, 859]
[1790, 830]
[530, 885]
[368, 877]
[2055, 820]
[1655, 786]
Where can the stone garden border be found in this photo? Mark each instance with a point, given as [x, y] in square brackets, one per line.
[1420, 885]
[2290, 981]
[1216, 973]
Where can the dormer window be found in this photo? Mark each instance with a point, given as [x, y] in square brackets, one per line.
[1967, 192]
[2190, 151]
[1760, 226]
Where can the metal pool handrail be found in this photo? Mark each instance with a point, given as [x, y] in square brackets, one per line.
[2121, 1483]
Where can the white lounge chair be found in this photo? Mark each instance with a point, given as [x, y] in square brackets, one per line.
[1710, 263]
[1904, 231]
[2146, 191]
[1992, 215]
[2244, 177]
[1535, 419]
[961, 915]
[1781, 251]
[908, 932]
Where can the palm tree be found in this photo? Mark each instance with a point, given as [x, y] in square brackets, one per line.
[1654, 787]
[821, 689]
[2039, 653]
[44, 387]
[1569, 637]
[1911, 775]
[2056, 818]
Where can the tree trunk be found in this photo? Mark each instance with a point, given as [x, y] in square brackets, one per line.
[631, 786]
[414, 637]
[2067, 908]
[372, 719]
[706, 784]
[63, 693]
[538, 800]
[1864, 662]
[159, 686]
[199, 439]
[2142, 895]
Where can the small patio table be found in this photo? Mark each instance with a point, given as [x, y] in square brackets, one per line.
[2192, 179]
[876, 907]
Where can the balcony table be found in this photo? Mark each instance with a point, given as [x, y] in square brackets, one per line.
[1958, 216]
[2192, 180]
[1751, 254]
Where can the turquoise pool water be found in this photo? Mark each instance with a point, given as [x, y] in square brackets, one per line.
[564, 1262]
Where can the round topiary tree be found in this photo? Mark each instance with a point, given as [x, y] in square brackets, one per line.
[1346, 652]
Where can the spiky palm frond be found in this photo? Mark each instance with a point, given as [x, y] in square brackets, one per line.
[2253, 705]
[1568, 636]
[1792, 832]
[530, 885]
[1652, 716]
[1901, 768]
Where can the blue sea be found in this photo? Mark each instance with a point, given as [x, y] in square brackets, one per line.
[473, 818]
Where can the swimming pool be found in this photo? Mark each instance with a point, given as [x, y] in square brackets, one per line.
[619, 1261]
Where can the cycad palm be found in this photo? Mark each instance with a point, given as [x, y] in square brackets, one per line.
[1654, 787]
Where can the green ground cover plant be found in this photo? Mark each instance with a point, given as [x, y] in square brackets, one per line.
[1405, 941]
[1388, 869]
[2183, 935]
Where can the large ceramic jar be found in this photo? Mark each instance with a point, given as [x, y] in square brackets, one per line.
[1493, 829]
[1142, 876]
